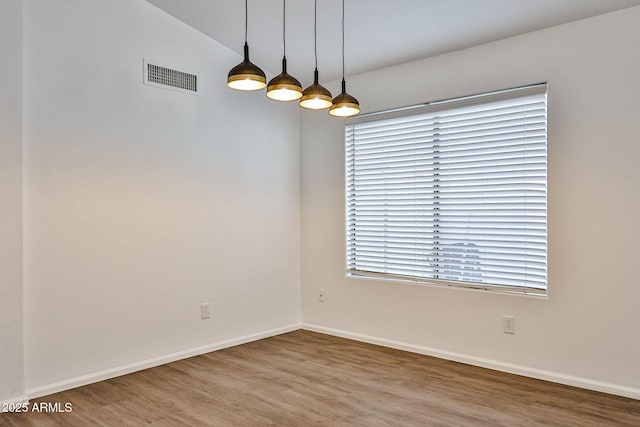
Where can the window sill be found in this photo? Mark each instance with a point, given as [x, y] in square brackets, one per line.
[441, 284]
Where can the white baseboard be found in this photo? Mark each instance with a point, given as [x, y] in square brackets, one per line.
[556, 377]
[585, 383]
[150, 363]
[19, 400]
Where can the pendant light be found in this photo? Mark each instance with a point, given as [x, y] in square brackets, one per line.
[344, 105]
[246, 75]
[284, 87]
[315, 97]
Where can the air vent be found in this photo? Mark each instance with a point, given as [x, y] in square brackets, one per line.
[169, 78]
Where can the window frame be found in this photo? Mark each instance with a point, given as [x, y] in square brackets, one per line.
[434, 107]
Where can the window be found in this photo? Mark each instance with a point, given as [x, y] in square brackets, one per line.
[452, 192]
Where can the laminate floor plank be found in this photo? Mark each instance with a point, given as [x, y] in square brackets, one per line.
[304, 378]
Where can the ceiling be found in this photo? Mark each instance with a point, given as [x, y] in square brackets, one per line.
[379, 33]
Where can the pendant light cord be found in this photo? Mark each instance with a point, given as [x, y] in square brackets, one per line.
[342, 39]
[246, 19]
[284, 20]
[315, 32]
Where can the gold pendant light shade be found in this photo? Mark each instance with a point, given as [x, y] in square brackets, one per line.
[315, 97]
[246, 75]
[344, 105]
[284, 87]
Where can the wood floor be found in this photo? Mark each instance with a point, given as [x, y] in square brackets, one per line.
[304, 378]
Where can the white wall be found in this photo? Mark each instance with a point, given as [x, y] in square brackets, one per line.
[11, 354]
[141, 203]
[586, 332]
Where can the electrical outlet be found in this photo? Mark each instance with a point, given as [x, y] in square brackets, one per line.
[204, 311]
[509, 324]
[321, 295]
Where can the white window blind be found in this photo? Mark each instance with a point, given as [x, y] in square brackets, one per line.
[453, 192]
